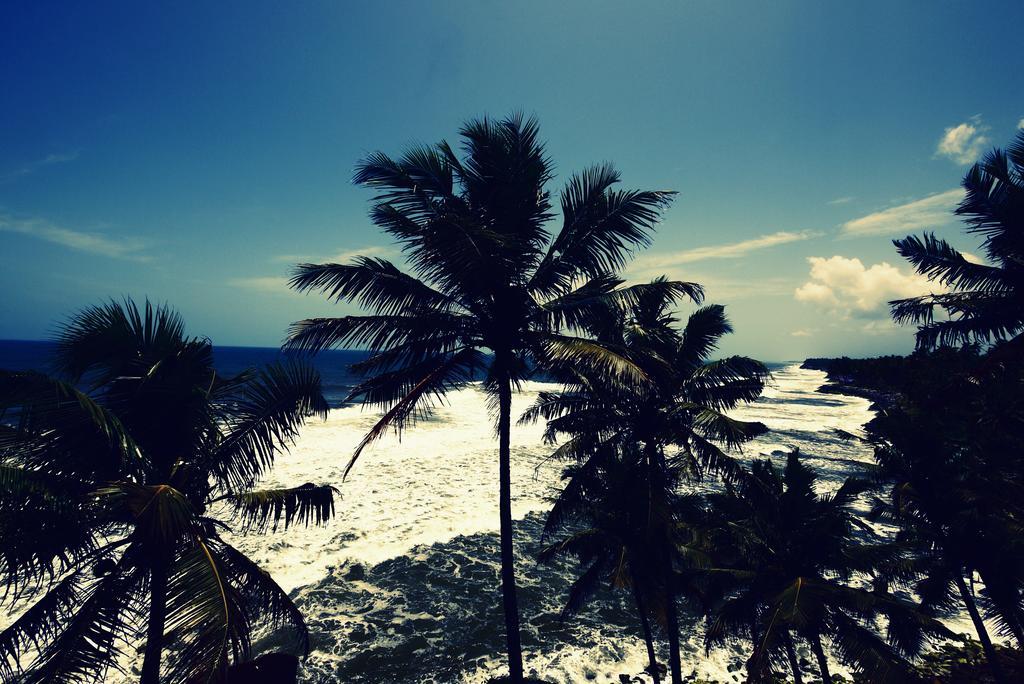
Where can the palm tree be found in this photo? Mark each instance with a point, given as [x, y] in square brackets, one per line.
[783, 557]
[952, 444]
[955, 493]
[986, 302]
[608, 505]
[487, 275]
[114, 479]
[664, 432]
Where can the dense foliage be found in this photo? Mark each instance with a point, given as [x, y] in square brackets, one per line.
[632, 446]
[492, 287]
[119, 477]
[772, 559]
[117, 481]
[985, 301]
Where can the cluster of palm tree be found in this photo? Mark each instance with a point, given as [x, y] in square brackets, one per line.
[764, 558]
[121, 473]
[119, 476]
[953, 446]
[634, 444]
[788, 564]
[492, 293]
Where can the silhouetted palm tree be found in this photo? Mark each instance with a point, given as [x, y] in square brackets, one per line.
[488, 275]
[955, 493]
[110, 495]
[783, 558]
[953, 442]
[987, 300]
[608, 506]
[663, 432]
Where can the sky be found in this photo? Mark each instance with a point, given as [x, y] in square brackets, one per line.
[193, 152]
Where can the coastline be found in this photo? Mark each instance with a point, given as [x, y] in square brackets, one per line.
[848, 386]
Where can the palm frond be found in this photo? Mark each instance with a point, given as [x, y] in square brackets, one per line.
[268, 508]
[41, 621]
[206, 615]
[573, 499]
[582, 588]
[704, 328]
[600, 228]
[503, 174]
[83, 624]
[550, 405]
[443, 375]
[864, 649]
[267, 602]
[372, 332]
[717, 426]
[556, 350]
[938, 260]
[385, 389]
[726, 383]
[589, 305]
[160, 514]
[703, 456]
[46, 533]
[408, 354]
[61, 429]
[423, 173]
[263, 419]
[374, 283]
[105, 338]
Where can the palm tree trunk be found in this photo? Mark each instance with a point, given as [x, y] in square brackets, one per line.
[660, 538]
[753, 669]
[819, 653]
[508, 576]
[648, 639]
[672, 624]
[1006, 604]
[155, 626]
[979, 627]
[794, 664]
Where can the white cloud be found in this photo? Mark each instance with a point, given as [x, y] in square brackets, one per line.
[802, 333]
[964, 142]
[116, 247]
[1020, 125]
[32, 167]
[841, 200]
[880, 327]
[931, 212]
[264, 284]
[649, 263]
[847, 288]
[723, 290]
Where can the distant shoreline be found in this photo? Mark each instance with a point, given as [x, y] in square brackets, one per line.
[846, 385]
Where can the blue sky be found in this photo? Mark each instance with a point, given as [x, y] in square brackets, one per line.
[191, 152]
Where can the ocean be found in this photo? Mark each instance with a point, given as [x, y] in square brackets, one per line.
[402, 586]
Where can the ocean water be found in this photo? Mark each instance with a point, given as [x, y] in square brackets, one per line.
[336, 380]
[402, 586]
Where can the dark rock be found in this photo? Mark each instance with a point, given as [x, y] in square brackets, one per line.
[360, 634]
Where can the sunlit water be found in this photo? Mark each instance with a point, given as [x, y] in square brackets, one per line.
[403, 585]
